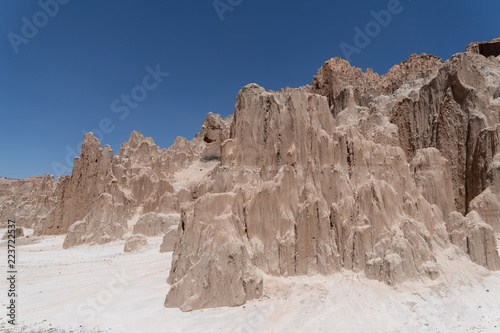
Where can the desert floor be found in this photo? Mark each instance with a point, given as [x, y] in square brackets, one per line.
[103, 289]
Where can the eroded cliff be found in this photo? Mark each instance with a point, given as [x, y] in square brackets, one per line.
[376, 174]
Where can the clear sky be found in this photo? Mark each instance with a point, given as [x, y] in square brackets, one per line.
[80, 65]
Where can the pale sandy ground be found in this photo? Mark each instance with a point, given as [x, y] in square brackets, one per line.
[57, 289]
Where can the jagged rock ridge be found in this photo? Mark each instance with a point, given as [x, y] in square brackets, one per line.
[137, 190]
[358, 171]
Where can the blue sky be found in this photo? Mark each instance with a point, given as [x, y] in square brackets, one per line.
[75, 73]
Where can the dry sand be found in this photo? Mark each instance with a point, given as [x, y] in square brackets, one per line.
[102, 289]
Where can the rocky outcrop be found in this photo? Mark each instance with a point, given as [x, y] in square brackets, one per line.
[101, 225]
[308, 198]
[155, 224]
[376, 174]
[486, 49]
[212, 262]
[135, 243]
[449, 113]
[101, 199]
[18, 233]
[432, 175]
[336, 78]
[358, 172]
[487, 204]
[214, 132]
[486, 169]
[168, 241]
[474, 237]
[92, 173]
[27, 201]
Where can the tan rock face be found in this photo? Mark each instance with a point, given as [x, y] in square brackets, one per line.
[168, 242]
[100, 226]
[155, 224]
[27, 201]
[214, 132]
[19, 232]
[135, 243]
[449, 113]
[92, 172]
[432, 175]
[474, 237]
[217, 266]
[309, 199]
[486, 49]
[487, 204]
[337, 74]
[100, 200]
[357, 172]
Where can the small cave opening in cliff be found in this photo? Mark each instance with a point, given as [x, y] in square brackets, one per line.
[207, 139]
[490, 49]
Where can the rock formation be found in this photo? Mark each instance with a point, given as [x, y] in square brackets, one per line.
[375, 174]
[486, 49]
[135, 243]
[212, 259]
[168, 242]
[155, 224]
[358, 171]
[474, 237]
[108, 196]
[27, 201]
[19, 232]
